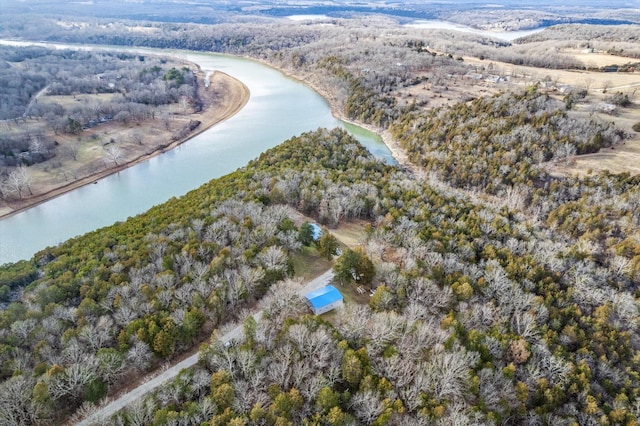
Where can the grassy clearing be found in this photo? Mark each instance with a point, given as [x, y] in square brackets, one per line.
[575, 78]
[83, 155]
[90, 155]
[624, 157]
[352, 296]
[224, 97]
[309, 264]
[598, 59]
[351, 234]
[82, 100]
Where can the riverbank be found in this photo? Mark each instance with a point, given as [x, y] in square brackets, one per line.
[223, 97]
[398, 153]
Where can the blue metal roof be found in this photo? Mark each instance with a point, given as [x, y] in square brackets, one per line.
[317, 231]
[323, 296]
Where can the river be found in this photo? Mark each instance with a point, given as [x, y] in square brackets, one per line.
[443, 25]
[279, 108]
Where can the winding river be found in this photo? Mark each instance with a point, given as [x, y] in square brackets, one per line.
[279, 108]
[501, 35]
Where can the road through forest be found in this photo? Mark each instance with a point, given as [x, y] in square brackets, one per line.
[102, 415]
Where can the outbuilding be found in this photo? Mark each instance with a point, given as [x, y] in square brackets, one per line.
[316, 230]
[324, 299]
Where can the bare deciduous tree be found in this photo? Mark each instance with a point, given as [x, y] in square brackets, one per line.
[138, 138]
[18, 181]
[367, 406]
[139, 355]
[588, 81]
[113, 153]
[72, 149]
[273, 258]
[141, 412]
[71, 382]
[111, 365]
[16, 407]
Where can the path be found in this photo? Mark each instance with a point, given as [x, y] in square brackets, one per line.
[100, 417]
[34, 100]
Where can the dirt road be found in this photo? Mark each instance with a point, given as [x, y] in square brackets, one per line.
[101, 416]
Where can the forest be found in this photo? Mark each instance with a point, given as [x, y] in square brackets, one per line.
[483, 312]
[30, 69]
[500, 293]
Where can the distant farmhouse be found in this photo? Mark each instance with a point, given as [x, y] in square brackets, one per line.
[324, 299]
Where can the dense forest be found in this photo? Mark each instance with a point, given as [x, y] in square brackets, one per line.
[500, 293]
[496, 144]
[116, 300]
[482, 313]
[147, 81]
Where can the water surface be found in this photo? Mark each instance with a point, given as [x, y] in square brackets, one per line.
[443, 25]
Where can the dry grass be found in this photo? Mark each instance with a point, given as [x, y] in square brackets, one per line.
[223, 98]
[597, 59]
[84, 100]
[624, 157]
[91, 156]
[453, 91]
[578, 79]
[309, 264]
[351, 234]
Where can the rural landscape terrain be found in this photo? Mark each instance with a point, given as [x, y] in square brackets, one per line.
[490, 277]
[93, 114]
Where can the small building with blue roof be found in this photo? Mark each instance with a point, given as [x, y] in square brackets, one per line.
[316, 230]
[324, 299]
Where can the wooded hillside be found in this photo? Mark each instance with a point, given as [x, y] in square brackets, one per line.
[482, 312]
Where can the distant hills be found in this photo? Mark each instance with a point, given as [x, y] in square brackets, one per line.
[465, 11]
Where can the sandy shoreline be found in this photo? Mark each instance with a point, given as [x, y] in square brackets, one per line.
[235, 98]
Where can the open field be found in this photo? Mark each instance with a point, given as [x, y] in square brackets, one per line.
[578, 79]
[309, 264]
[622, 158]
[351, 234]
[597, 59]
[455, 89]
